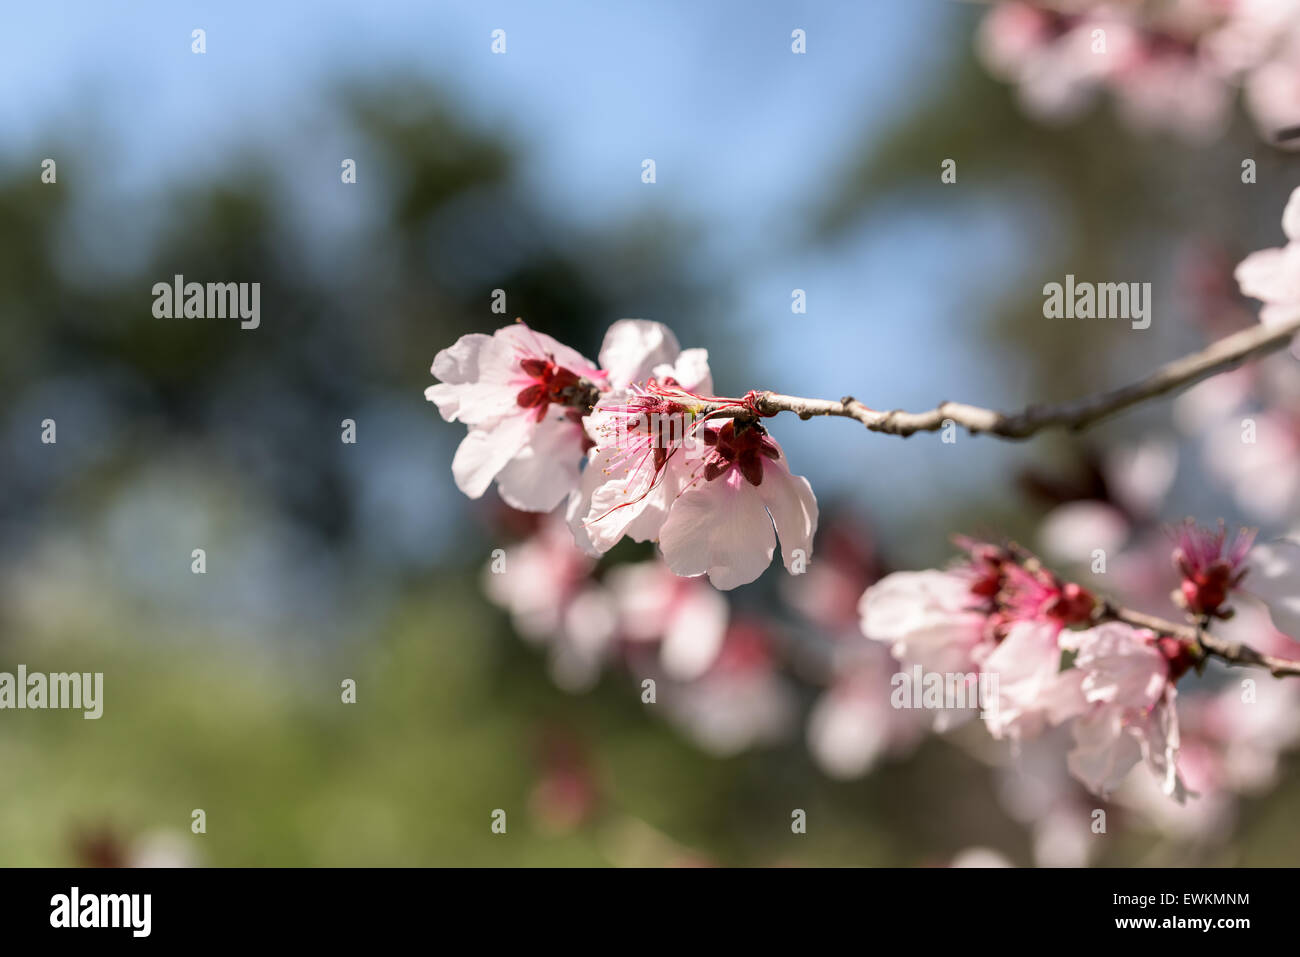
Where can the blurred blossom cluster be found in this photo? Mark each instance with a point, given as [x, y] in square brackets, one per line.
[1081, 695]
[830, 653]
[714, 672]
[1170, 67]
[1062, 662]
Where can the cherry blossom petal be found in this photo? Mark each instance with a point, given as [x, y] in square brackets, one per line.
[790, 500]
[1271, 275]
[1291, 215]
[1074, 531]
[691, 370]
[1032, 690]
[485, 452]
[1275, 578]
[1103, 754]
[926, 618]
[466, 394]
[521, 340]
[617, 498]
[718, 528]
[1159, 741]
[848, 731]
[455, 366]
[1273, 98]
[695, 632]
[633, 348]
[620, 506]
[1140, 474]
[1132, 715]
[1119, 668]
[546, 469]
[588, 634]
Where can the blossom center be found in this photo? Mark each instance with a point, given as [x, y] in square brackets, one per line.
[740, 447]
[551, 383]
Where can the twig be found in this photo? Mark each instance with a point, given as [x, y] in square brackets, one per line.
[1233, 652]
[1220, 356]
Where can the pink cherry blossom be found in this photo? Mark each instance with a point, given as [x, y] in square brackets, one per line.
[545, 584]
[853, 725]
[642, 438]
[1208, 818]
[1139, 474]
[934, 619]
[1129, 716]
[742, 701]
[1073, 531]
[1170, 67]
[1253, 625]
[1264, 475]
[1160, 76]
[1168, 84]
[1033, 691]
[1272, 87]
[634, 348]
[1031, 608]
[523, 394]
[536, 579]
[737, 502]
[1036, 789]
[1029, 592]
[1275, 579]
[1050, 55]
[513, 388]
[1001, 613]
[1013, 32]
[1253, 33]
[1231, 745]
[1211, 566]
[1251, 733]
[829, 592]
[980, 857]
[1273, 275]
[684, 616]
[1260, 468]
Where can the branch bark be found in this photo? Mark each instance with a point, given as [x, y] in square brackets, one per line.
[1220, 356]
[1233, 652]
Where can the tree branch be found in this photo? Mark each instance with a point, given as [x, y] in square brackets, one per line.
[1233, 652]
[1220, 356]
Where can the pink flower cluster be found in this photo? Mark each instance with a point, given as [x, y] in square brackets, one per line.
[1170, 67]
[715, 672]
[1058, 662]
[719, 674]
[636, 446]
[630, 445]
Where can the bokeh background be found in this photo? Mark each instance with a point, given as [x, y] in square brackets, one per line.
[522, 171]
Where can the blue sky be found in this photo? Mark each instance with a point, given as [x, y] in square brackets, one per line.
[745, 134]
